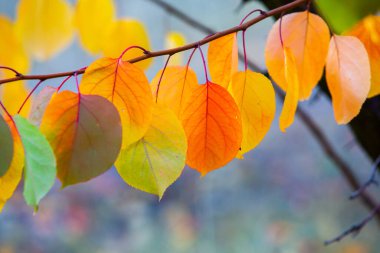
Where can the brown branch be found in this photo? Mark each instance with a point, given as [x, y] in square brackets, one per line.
[172, 51]
[317, 133]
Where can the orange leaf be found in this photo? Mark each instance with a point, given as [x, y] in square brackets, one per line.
[292, 83]
[126, 86]
[223, 59]
[213, 128]
[176, 87]
[307, 36]
[254, 95]
[348, 76]
[85, 134]
[368, 32]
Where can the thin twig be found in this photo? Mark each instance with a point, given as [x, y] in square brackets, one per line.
[355, 229]
[172, 51]
[372, 180]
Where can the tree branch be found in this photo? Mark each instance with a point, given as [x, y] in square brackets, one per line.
[317, 133]
[172, 51]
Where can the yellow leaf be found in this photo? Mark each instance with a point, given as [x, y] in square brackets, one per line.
[307, 36]
[223, 59]
[44, 26]
[348, 76]
[255, 98]
[12, 54]
[175, 39]
[176, 87]
[368, 32]
[94, 19]
[123, 34]
[154, 162]
[292, 83]
[13, 95]
[9, 182]
[126, 86]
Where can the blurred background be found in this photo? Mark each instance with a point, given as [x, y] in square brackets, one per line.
[285, 196]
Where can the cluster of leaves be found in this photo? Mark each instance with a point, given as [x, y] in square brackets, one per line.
[149, 131]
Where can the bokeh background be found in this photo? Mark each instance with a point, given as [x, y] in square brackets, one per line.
[284, 197]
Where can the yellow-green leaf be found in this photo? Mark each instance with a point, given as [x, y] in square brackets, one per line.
[348, 76]
[44, 26]
[10, 180]
[292, 92]
[123, 34]
[94, 19]
[85, 133]
[255, 98]
[154, 162]
[126, 86]
[176, 87]
[6, 147]
[223, 59]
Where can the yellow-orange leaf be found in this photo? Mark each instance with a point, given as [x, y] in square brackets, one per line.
[368, 32]
[10, 180]
[213, 128]
[44, 26]
[126, 86]
[94, 19]
[176, 87]
[348, 76]
[12, 53]
[13, 95]
[175, 39]
[123, 34]
[154, 162]
[292, 83]
[85, 134]
[307, 36]
[255, 98]
[223, 59]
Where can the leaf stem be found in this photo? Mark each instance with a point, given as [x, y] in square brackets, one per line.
[162, 74]
[245, 52]
[204, 62]
[29, 95]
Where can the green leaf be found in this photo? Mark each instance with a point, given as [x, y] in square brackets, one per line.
[6, 147]
[343, 14]
[40, 164]
[153, 163]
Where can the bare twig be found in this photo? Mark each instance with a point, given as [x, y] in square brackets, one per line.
[355, 229]
[372, 180]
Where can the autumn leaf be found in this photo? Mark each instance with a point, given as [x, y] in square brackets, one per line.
[85, 134]
[123, 34]
[292, 83]
[307, 36]
[126, 86]
[13, 95]
[6, 147]
[15, 58]
[213, 128]
[176, 87]
[10, 180]
[94, 19]
[368, 32]
[255, 98]
[223, 59]
[174, 40]
[40, 103]
[154, 162]
[44, 26]
[348, 76]
[40, 163]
